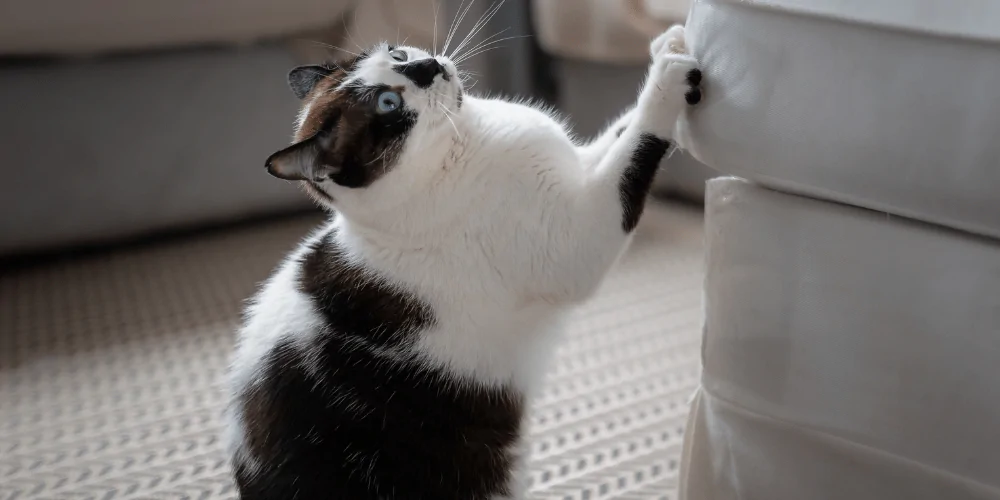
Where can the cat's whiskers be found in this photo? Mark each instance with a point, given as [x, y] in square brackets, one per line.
[448, 116]
[477, 26]
[379, 157]
[479, 48]
[334, 47]
[455, 23]
[480, 24]
[448, 113]
[458, 55]
[434, 43]
[480, 51]
[347, 30]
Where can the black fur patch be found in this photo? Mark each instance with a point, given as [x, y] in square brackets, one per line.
[349, 142]
[335, 419]
[359, 144]
[303, 79]
[638, 178]
[355, 304]
[367, 143]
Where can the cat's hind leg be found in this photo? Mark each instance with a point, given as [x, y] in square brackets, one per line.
[630, 164]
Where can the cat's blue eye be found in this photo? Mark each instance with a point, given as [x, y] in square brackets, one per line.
[388, 101]
[398, 55]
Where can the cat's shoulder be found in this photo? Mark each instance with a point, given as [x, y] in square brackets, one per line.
[523, 115]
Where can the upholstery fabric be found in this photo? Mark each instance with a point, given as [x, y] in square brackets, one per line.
[889, 105]
[847, 354]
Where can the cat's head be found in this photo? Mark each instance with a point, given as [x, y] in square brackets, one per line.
[362, 117]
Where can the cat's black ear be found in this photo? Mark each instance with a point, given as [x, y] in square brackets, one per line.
[303, 160]
[304, 78]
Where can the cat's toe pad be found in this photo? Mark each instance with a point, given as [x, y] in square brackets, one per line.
[677, 75]
[693, 95]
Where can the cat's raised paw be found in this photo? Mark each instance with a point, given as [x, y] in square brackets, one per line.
[674, 71]
[671, 41]
[676, 78]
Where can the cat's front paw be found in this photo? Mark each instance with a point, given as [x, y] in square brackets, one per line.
[671, 41]
[674, 69]
[674, 81]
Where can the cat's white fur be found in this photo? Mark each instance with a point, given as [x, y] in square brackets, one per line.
[493, 216]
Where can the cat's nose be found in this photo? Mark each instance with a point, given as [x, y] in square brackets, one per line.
[422, 72]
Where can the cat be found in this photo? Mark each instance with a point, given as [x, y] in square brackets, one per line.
[395, 352]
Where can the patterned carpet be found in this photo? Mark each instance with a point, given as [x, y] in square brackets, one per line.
[110, 366]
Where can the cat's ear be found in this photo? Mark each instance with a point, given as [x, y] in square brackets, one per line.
[303, 160]
[304, 78]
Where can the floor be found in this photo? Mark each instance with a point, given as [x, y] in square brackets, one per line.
[110, 367]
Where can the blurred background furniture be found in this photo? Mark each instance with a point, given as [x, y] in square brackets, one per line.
[128, 119]
[852, 339]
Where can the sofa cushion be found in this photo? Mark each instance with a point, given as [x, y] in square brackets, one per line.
[129, 146]
[888, 105]
[32, 27]
[847, 355]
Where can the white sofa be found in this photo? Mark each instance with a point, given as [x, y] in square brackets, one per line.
[852, 337]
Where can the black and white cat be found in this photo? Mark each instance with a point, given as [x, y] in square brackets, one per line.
[394, 354]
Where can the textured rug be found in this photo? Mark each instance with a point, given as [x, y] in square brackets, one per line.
[110, 367]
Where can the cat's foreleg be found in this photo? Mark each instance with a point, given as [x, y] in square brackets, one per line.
[594, 151]
[627, 170]
[615, 191]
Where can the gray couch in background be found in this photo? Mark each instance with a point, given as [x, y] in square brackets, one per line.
[124, 121]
